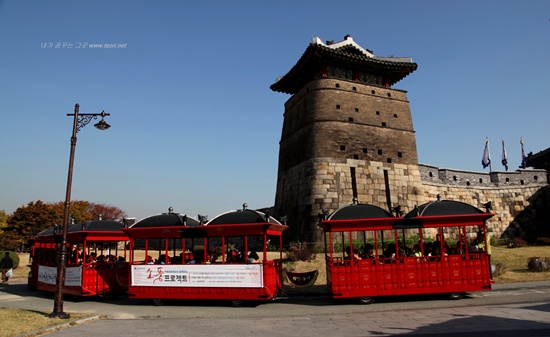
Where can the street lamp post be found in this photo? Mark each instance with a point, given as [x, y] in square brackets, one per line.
[80, 121]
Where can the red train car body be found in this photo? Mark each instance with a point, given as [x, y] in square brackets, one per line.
[375, 268]
[96, 263]
[209, 261]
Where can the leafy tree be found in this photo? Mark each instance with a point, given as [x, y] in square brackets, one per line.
[3, 226]
[37, 216]
[27, 221]
[107, 212]
[3, 220]
[78, 211]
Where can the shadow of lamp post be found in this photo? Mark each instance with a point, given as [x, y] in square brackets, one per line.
[80, 121]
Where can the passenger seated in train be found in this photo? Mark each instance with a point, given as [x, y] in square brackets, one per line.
[436, 250]
[427, 248]
[404, 251]
[368, 252]
[253, 257]
[416, 250]
[350, 253]
[91, 258]
[187, 257]
[161, 259]
[390, 251]
[200, 257]
[232, 255]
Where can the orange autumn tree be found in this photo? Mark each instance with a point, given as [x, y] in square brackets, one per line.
[37, 216]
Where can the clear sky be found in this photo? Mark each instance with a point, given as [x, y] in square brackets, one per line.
[194, 123]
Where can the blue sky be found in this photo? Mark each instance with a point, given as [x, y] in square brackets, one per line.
[194, 123]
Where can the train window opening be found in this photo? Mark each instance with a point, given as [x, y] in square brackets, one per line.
[219, 250]
[393, 246]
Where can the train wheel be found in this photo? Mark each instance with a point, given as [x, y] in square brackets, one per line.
[237, 303]
[157, 302]
[366, 300]
[456, 296]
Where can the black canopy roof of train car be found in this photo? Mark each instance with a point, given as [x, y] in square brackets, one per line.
[443, 207]
[96, 230]
[444, 213]
[245, 216]
[166, 220]
[96, 225]
[359, 211]
[357, 217]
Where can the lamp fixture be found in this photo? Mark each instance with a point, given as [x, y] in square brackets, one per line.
[102, 124]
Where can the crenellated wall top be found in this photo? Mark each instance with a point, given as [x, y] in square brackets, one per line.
[453, 177]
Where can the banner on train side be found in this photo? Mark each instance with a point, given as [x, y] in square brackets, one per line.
[229, 275]
[48, 275]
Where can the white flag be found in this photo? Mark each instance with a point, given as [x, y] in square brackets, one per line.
[486, 160]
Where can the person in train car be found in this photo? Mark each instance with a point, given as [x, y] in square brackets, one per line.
[349, 253]
[368, 251]
[232, 255]
[253, 257]
[390, 251]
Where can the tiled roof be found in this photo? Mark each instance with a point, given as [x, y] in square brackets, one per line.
[539, 160]
[345, 54]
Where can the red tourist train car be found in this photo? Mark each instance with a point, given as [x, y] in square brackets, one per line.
[96, 253]
[368, 253]
[176, 257]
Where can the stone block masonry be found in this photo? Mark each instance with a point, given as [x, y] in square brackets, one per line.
[324, 183]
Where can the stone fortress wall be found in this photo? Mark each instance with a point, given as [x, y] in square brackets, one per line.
[519, 198]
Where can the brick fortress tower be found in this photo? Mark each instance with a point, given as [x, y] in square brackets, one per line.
[347, 133]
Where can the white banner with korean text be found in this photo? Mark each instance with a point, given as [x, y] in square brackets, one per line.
[213, 275]
[48, 275]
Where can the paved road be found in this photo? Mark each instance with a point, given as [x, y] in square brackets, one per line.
[509, 310]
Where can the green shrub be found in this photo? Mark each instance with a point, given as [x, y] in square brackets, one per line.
[13, 256]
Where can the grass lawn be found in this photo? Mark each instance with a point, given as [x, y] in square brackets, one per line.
[16, 321]
[515, 260]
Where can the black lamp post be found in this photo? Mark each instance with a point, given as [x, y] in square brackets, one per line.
[80, 121]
